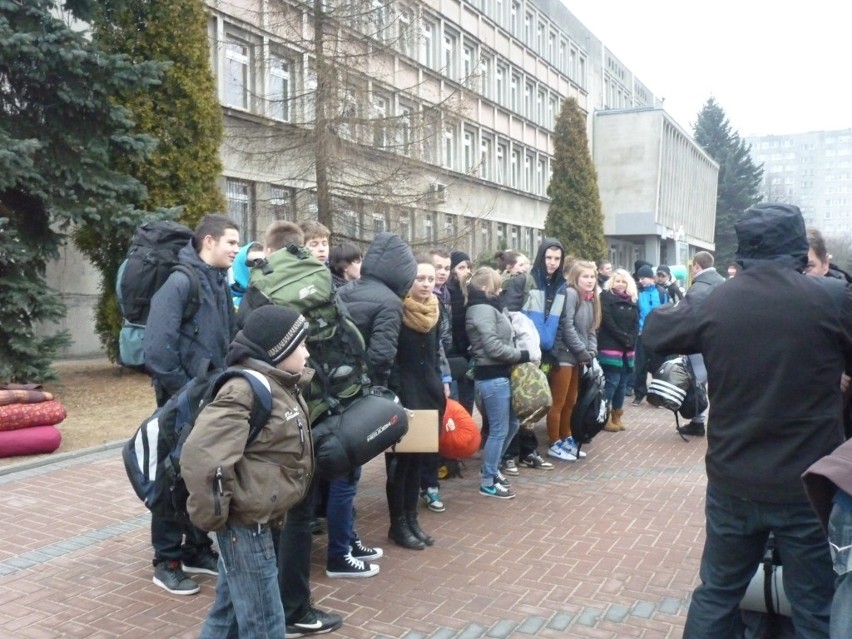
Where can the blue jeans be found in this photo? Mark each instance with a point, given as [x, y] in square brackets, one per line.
[340, 513]
[496, 397]
[248, 603]
[840, 539]
[737, 532]
[616, 385]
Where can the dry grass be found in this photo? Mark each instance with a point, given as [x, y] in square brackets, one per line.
[105, 403]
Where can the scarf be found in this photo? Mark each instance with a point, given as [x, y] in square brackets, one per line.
[588, 297]
[420, 317]
[622, 294]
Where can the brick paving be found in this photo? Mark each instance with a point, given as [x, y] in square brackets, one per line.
[605, 547]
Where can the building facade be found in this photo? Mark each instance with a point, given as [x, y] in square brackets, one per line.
[811, 170]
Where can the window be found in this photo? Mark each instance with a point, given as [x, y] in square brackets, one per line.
[539, 39]
[540, 99]
[528, 29]
[448, 61]
[468, 142]
[380, 122]
[380, 20]
[486, 235]
[279, 88]
[405, 32]
[513, 93]
[428, 44]
[528, 101]
[541, 172]
[501, 233]
[350, 223]
[515, 17]
[405, 228]
[552, 110]
[378, 223]
[485, 64]
[468, 56]
[551, 47]
[485, 159]
[310, 96]
[449, 148]
[239, 203]
[404, 130]
[429, 225]
[281, 203]
[529, 184]
[500, 84]
[237, 72]
[516, 169]
[451, 225]
[561, 61]
[502, 158]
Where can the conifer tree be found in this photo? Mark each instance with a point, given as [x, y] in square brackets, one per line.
[739, 178]
[182, 113]
[60, 134]
[574, 216]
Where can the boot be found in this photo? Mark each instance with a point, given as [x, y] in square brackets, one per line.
[611, 426]
[416, 530]
[616, 416]
[400, 533]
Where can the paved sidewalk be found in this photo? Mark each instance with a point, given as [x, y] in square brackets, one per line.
[604, 547]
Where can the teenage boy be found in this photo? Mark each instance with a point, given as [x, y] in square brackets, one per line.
[175, 352]
[651, 295]
[231, 488]
[316, 239]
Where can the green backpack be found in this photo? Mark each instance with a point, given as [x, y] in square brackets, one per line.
[531, 399]
[293, 277]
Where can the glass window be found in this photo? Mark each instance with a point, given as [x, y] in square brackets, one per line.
[380, 121]
[500, 84]
[237, 72]
[502, 158]
[516, 168]
[378, 223]
[448, 62]
[528, 101]
[513, 93]
[279, 88]
[239, 203]
[428, 44]
[281, 203]
[449, 148]
[404, 36]
[468, 142]
[405, 228]
[485, 159]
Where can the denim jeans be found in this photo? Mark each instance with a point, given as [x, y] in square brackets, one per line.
[247, 602]
[293, 549]
[840, 540]
[616, 385]
[737, 532]
[340, 513]
[496, 397]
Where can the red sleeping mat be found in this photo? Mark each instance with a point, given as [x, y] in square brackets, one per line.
[35, 440]
[15, 416]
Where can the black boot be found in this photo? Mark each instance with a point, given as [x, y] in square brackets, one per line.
[400, 533]
[416, 530]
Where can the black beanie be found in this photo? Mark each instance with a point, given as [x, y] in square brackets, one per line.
[663, 268]
[457, 257]
[644, 271]
[772, 232]
[276, 330]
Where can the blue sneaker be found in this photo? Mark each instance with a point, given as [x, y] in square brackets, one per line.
[497, 490]
[570, 446]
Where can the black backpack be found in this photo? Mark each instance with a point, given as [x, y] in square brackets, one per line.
[152, 456]
[591, 413]
[674, 387]
[151, 258]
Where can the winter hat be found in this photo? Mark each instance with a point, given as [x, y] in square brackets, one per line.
[662, 268]
[276, 330]
[457, 257]
[772, 232]
[645, 271]
[639, 264]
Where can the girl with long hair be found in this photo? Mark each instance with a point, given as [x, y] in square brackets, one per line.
[617, 340]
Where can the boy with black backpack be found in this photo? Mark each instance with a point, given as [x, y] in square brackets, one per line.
[241, 490]
[177, 349]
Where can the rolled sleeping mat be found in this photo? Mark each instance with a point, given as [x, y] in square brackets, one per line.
[15, 416]
[35, 440]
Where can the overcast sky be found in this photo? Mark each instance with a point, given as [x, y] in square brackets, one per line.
[774, 67]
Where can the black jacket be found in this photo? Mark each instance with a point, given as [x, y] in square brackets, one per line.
[375, 300]
[619, 323]
[460, 343]
[775, 343]
[416, 377]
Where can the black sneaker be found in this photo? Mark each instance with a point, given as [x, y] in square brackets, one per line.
[692, 428]
[637, 401]
[349, 567]
[169, 576]
[315, 622]
[502, 479]
[204, 563]
[498, 490]
[362, 552]
[534, 460]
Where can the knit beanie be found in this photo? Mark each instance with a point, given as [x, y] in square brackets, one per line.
[457, 257]
[662, 268]
[645, 271]
[276, 330]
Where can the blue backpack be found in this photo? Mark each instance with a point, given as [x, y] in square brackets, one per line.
[152, 455]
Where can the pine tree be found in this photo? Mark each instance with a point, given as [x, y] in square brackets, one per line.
[60, 133]
[182, 113]
[739, 178]
[574, 216]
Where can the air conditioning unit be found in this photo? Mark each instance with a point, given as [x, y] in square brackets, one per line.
[437, 192]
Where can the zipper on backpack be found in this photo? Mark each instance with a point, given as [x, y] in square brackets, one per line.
[218, 492]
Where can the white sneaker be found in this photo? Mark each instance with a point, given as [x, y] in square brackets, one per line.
[570, 446]
[556, 450]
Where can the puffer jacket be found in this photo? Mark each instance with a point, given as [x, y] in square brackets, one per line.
[375, 301]
[576, 339]
[492, 343]
[230, 483]
[175, 350]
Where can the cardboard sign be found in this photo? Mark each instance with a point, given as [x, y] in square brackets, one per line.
[422, 436]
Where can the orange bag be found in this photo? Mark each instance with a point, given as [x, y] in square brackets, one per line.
[460, 437]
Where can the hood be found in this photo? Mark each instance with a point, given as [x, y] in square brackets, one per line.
[390, 261]
[538, 270]
[769, 233]
[240, 269]
[514, 291]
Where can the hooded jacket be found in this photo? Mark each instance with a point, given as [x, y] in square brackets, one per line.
[545, 304]
[176, 351]
[230, 483]
[240, 272]
[375, 300]
[576, 340]
[492, 344]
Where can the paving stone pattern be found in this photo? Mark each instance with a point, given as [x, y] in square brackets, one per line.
[606, 547]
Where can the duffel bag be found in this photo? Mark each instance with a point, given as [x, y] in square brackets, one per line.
[531, 399]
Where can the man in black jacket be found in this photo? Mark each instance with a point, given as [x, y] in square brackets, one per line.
[775, 344]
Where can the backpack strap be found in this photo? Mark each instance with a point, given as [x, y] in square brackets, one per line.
[261, 408]
[194, 301]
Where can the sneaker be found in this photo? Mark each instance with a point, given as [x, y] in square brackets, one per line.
[349, 567]
[364, 553]
[169, 576]
[557, 451]
[692, 428]
[509, 467]
[315, 622]
[432, 498]
[498, 490]
[204, 563]
[534, 460]
[502, 480]
[570, 445]
[637, 401]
